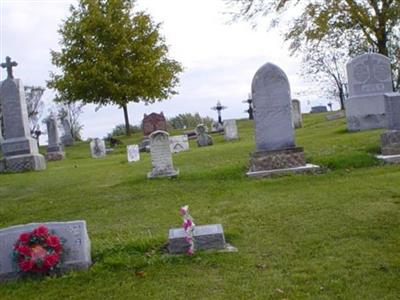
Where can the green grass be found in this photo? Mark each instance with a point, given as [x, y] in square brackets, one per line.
[334, 235]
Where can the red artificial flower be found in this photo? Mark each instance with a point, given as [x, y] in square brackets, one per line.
[24, 250]
[41, 231]
[24, 237]
[26, 265]
[53, 241]
[51, 260]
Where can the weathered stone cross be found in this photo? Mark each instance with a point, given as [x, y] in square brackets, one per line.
[8, 65]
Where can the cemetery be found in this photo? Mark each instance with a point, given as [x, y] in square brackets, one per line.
[284, 203]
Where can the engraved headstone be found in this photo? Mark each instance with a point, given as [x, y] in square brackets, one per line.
[76, 245]
[179, 143]
[161, 157]
[20, 150]
[230, 130]
[67, 138]
[55, 149]
[275, 146]
[296, 113]
[318, 109]
[98, 148]
[369, 78]
[132, 152]
[205, 237]
[203, 139]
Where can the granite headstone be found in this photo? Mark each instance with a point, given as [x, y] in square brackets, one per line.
[76, 245]
[161, 156]
[132, 152]
[369, 78]
[296, 113]
[98, 148]
[318, 109]
[203, 139]
[55, 149]
[67, 138]
[179, 143]
[390, 139]
[230, 130]
[274, 132]
[20, 150]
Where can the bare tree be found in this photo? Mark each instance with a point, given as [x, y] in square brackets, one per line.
[35, 105]
[72, 111]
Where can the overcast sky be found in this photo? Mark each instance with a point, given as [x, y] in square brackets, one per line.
[219, 59]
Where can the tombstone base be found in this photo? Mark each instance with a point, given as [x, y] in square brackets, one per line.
[53, 156]
[205, 237]
[391, 159]
[158, 173]
[21, 163]
[308, 168]
[390, 142]
[365, 112]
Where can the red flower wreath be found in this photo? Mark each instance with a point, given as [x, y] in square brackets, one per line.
[38, 251]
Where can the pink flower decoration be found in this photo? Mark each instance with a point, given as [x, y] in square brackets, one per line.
[190, 251]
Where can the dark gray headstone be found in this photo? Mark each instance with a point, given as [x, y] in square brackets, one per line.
[203, 139]
[77, 245]
[318, 109]
[19, 149]
[161, 156]
[273, 109]
[205, 237]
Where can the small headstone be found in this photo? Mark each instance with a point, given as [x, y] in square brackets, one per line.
[216, 127]
[390, 139]
[296, 114]
[98, 148]
[20, 150]
[154, 122]
[318, 109]
[76, 245]
[67, 138]
[369, 78]
[161, 156]
[55, 149]
[205, 237]
[132, 152]
[274, 132]
[179, 143]
[203, 139]
[230, 130]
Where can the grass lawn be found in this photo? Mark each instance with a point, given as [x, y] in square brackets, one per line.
[334, 235]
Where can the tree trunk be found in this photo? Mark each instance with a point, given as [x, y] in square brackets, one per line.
[341, 97]
[127, 127]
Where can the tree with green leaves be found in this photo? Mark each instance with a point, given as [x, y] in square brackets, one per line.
[354, 26]
[112, 55]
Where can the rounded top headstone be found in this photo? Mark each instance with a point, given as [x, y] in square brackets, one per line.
[272, 105]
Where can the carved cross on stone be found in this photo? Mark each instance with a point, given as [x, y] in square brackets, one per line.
[8, 65]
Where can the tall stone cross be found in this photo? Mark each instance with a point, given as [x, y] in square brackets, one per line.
[8, 65]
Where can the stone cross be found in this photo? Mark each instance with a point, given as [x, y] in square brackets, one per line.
[8, 65]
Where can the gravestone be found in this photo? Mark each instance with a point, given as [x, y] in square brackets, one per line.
[369, 78]
[161, 157]
[20, 150]
[132, 152]
[276, 151]
[230, 130]
[205, 237]
[67, 138]
[390, 139]
[98, 148]
[216, 127]
[203, 139]
[76, 244]
[318, 109]
[154, 122]
[55, 149]
[179, 143]
[335, 116]
[296, 114]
